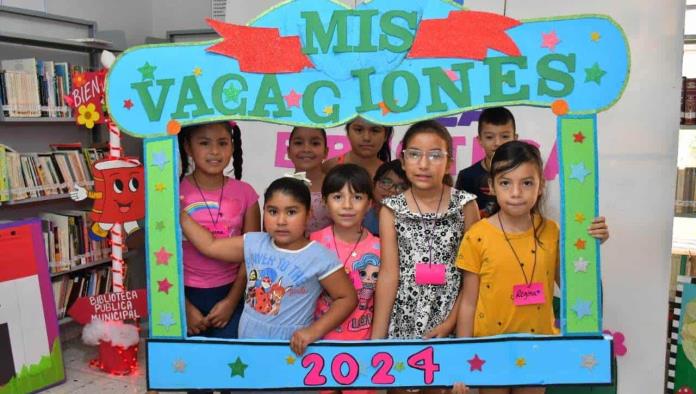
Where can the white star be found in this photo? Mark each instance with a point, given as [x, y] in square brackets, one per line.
[581, 265]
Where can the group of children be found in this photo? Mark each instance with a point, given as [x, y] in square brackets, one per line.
[360, 247]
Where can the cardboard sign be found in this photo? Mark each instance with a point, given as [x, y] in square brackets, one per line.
[87, 97]
[126, 305]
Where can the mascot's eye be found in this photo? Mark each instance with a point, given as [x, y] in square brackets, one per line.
[118, 186]
[133, 184]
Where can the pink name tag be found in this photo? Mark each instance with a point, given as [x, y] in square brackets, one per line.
[531, 294]
[430, 274]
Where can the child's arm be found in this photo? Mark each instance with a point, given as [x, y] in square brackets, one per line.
[388, 282]
[252, 219]
[226, 249]
[195, 321]
[344, 301]
[599, 229]
[471, 214]
[220, 315]
[467, 305]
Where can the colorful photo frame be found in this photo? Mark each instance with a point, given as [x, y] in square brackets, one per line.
[392, 63]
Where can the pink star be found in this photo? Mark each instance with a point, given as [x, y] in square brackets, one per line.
[164, 286]
[549, 40]
[451, 74]
[293, 99]
[163, 256]
[128, 104]
[476, 363]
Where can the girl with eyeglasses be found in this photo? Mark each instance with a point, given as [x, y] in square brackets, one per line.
[390, 180]
[418, 288]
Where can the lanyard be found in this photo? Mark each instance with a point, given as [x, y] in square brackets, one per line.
[526, 281]
[205, 201]
[430, 239]
[333, 232]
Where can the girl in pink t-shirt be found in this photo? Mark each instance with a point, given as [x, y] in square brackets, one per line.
[226, 207]
[347, 192]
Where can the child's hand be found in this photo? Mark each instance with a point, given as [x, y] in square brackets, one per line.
[599, 229]
[459, 388]
[220, 315]
[301, 339]
[195, 321]
[442, 331]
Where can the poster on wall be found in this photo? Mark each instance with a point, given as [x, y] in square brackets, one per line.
[681, 369]
[31, 357]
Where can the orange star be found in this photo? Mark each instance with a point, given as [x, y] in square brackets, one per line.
[579, 217]
[580, 244]
[385, 109]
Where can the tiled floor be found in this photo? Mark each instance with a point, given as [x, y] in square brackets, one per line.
[82, 379]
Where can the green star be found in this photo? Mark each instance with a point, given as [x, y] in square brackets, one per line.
[399, 367]
[231, 94]
[147, 71]
[159, 225]
[237, 367]
[594, 74]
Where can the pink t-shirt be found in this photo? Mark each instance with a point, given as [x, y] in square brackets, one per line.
[362, 267]
[237, 196]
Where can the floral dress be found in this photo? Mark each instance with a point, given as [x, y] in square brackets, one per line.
[420, 308]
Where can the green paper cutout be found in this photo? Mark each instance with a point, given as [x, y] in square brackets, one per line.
[412, 91]
[548, 73]
[269, 93]
[439, 80]
[159, 208]
[231, 93]
[153, 111]
[35, 377]
[498, 78]
[365, 43]
[594, 74]
[391, 29]
[366, 102]
[237, 367]
[315, 29]
[147, 71]
[308, 102]
[189, 85]
[579, 198]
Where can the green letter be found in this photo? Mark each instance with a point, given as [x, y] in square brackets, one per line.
[440, 81]
[308, 102]
[412, 91]
[547, 73]
[269, 93]
[389, 28]
[154, 112]
[366, 103]
[365, 44]
[315, 28]
[219, 103]
[190, 84]
[497, 79]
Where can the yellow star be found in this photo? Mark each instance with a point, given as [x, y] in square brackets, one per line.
[197, 71]
[160, 187]
[595, 36]
[579, 217]
[290, 360]
[521, 362]
[328, 110]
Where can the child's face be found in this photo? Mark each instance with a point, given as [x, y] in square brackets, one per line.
[285, 220]
[492, 136]
[211, 149]
[389, 185]
[307, 148]
[518, 190]
[425, 160]
[347, 208]
[366, 139]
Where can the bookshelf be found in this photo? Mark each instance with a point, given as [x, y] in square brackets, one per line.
[78, 266]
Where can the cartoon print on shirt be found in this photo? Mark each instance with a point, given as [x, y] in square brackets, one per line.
[264, 293]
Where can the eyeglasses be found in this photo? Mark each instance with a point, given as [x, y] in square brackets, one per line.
[415, 155]
[389, 185]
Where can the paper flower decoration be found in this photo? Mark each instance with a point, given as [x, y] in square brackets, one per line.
[88, 115]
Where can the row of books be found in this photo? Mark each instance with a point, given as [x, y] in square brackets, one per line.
[35, 88]
[67, 241]
[685, 194]
[37, 174]
[69, 288]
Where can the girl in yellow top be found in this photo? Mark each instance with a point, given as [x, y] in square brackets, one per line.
[510, 259]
